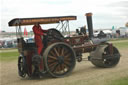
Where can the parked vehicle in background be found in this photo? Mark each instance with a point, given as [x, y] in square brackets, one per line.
[107, 32]
[123, 31]
[8, 43]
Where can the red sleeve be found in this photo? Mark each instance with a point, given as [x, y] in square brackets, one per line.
[43, 30]
[37, 31]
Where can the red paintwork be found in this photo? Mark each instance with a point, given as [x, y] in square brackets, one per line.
[38, 33]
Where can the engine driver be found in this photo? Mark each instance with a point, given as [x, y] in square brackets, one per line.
[39, 32]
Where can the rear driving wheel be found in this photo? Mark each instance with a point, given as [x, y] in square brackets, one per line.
[59, 59]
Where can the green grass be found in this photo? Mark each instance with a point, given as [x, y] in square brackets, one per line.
[118, 39]
[8, 56]
[122, 81]
[121, 44]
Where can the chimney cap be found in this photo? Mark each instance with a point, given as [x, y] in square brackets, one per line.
[88, 14]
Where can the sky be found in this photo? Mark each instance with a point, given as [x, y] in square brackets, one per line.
[106, 13]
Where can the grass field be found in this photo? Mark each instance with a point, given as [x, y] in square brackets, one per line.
[12, 54]
[121, 81]
[9, 56]
[121, 45]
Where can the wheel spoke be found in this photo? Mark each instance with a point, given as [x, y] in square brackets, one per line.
[67, 59]
[51, 60]
[59, 50]
[66, 52]
[62, 67]
[68, 55]
[54, 67]
[52, 57]
[53, 54]
[67, 63]
[56, 51]
[62, 52]
[52, 64]
[58, 68]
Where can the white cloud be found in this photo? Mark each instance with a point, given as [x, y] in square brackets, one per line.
[101, 10]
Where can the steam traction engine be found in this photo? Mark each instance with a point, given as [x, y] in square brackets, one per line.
[61, 52]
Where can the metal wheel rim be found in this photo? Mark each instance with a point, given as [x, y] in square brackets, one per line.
[60, 60]
[21, 67]
[113, 61]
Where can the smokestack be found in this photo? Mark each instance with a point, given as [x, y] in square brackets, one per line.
[89, 23]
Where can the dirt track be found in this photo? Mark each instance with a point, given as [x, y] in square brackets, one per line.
[83, 74]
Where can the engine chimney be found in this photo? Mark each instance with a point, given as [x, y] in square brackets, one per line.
[89, 22]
